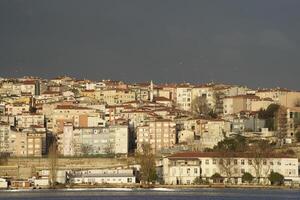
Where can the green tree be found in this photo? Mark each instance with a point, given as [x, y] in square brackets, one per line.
[276, 178]
[234, 144]
[269, 115]
[247, 177]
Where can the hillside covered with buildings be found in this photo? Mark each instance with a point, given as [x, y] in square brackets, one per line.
[190, 133]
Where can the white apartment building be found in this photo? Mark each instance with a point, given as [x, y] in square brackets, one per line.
[184, 97]
[29, 87]
[184, 168]
[92, 141]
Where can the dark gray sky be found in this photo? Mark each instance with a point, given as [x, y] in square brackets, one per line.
[254, 42]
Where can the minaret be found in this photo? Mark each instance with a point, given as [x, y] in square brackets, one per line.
[151, 91]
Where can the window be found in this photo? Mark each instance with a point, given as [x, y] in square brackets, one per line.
[242, 162]
[207, 162]
[249, 162]
[264, 162]
[221, 161]
[235, 161]
[278, 163]
[228, 162]
[195, 171]
[214, 161]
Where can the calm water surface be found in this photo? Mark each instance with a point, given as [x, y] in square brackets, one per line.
[155, 194]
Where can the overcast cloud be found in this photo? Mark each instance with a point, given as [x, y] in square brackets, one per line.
[232, 41]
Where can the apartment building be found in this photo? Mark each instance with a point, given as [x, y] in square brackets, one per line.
[241, 125]
[288, 123]
[212, 132]
[93, 141]
[143, 91]
[4, 137]
[79, 116]
[28, 142]
[236, 104]
[88, 93]
[26, 120]
[16, 109]
[258, 104]
[30, 87]
[115, 96]
[184, 168]
[205, 91]
[166, 90]
[184, 97]
[160, 134]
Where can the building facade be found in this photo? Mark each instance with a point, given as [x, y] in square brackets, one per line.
[160, 134]
[184, 168]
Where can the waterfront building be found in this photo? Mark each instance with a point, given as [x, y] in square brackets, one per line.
[103, 176]
[184, 168]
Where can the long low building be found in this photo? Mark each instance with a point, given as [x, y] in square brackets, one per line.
[185, 168]
[110, 176]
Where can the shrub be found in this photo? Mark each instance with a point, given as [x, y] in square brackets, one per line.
[247, 177]
[199, 181]
[276, 178]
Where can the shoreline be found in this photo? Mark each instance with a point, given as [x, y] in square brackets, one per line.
[158, 188]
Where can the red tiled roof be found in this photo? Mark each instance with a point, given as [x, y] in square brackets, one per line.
[51, 92]
[72, 107]
[161, 99]
[190, 155]
[273, 90]
[29, 82]
[249, 96]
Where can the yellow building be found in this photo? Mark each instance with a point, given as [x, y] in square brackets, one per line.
[115, 96]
